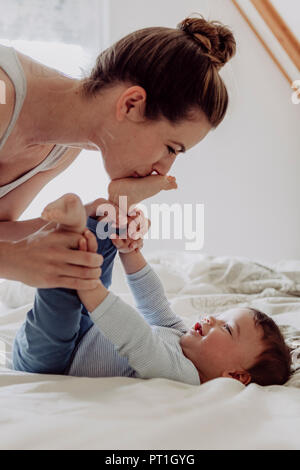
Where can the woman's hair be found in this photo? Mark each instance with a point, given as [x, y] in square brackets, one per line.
[178, 68]
[273, 365]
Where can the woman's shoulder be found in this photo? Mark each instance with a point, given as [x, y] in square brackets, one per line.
[30, 72]
[7, 101]
[36, 71]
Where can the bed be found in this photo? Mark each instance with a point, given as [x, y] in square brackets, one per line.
[61, 412]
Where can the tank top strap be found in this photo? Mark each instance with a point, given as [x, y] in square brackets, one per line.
[49, 162]
[10, 63]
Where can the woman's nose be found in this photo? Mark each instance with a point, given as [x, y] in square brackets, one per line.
[164, 164]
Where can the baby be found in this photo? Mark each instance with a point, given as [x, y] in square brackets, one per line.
[94, 333]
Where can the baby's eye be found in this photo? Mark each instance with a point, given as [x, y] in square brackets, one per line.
[227, 328]
[171, 150]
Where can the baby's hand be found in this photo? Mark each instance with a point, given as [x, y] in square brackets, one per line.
[127, 245]
[137, 228]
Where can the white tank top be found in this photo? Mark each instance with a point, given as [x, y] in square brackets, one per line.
[10, 63]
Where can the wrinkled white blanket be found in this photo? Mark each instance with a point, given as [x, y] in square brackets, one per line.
[58, 412]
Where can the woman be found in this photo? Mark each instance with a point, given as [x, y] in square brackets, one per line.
[155, 93]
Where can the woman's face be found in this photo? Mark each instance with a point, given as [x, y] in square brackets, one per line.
[133, 146]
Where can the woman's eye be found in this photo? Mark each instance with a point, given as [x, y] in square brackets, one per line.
[227, 328]
[171, 150]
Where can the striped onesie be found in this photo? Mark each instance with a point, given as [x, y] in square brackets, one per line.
[124, 342]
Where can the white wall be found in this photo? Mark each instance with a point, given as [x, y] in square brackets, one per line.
[246, 172]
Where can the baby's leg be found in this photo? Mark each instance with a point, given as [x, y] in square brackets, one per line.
[57, 322]
[45, 342]
[67, 211]
[106, 249]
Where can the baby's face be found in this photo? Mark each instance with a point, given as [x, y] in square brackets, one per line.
[224, 345]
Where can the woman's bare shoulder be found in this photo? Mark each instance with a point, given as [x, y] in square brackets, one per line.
[33, 70]
[13, 204]
[7, 101]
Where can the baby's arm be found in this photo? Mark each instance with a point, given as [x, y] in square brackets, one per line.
[146, 288]
[130, 333]
[148, 292]
[135, 339]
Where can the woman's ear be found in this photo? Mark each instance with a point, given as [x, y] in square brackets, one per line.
[132, 104]
[241, 375]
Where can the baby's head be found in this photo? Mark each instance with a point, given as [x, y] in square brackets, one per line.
[241, 343]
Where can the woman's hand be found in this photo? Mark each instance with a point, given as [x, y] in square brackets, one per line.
[49, 258]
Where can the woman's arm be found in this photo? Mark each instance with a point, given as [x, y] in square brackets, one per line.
[49, 258]
[13, 230]
[17, 230]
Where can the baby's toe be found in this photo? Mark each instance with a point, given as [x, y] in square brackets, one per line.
[170, 182]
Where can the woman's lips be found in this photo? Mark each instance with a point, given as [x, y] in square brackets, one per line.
[198, 327]
[137, 175]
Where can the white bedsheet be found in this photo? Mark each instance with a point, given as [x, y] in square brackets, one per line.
[60, 412]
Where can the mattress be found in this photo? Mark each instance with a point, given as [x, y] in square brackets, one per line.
[62, 412]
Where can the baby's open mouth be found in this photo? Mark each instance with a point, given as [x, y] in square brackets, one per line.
[198, 328]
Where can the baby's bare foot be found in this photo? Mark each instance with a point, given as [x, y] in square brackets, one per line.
[138, 189]
[68, 211]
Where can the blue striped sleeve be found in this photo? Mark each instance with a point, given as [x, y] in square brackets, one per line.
[151, 300]
[147, 352]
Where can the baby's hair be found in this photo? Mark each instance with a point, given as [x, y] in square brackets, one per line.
[273, 365]
[177, 67]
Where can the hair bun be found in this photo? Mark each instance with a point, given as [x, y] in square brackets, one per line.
[216, 40]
